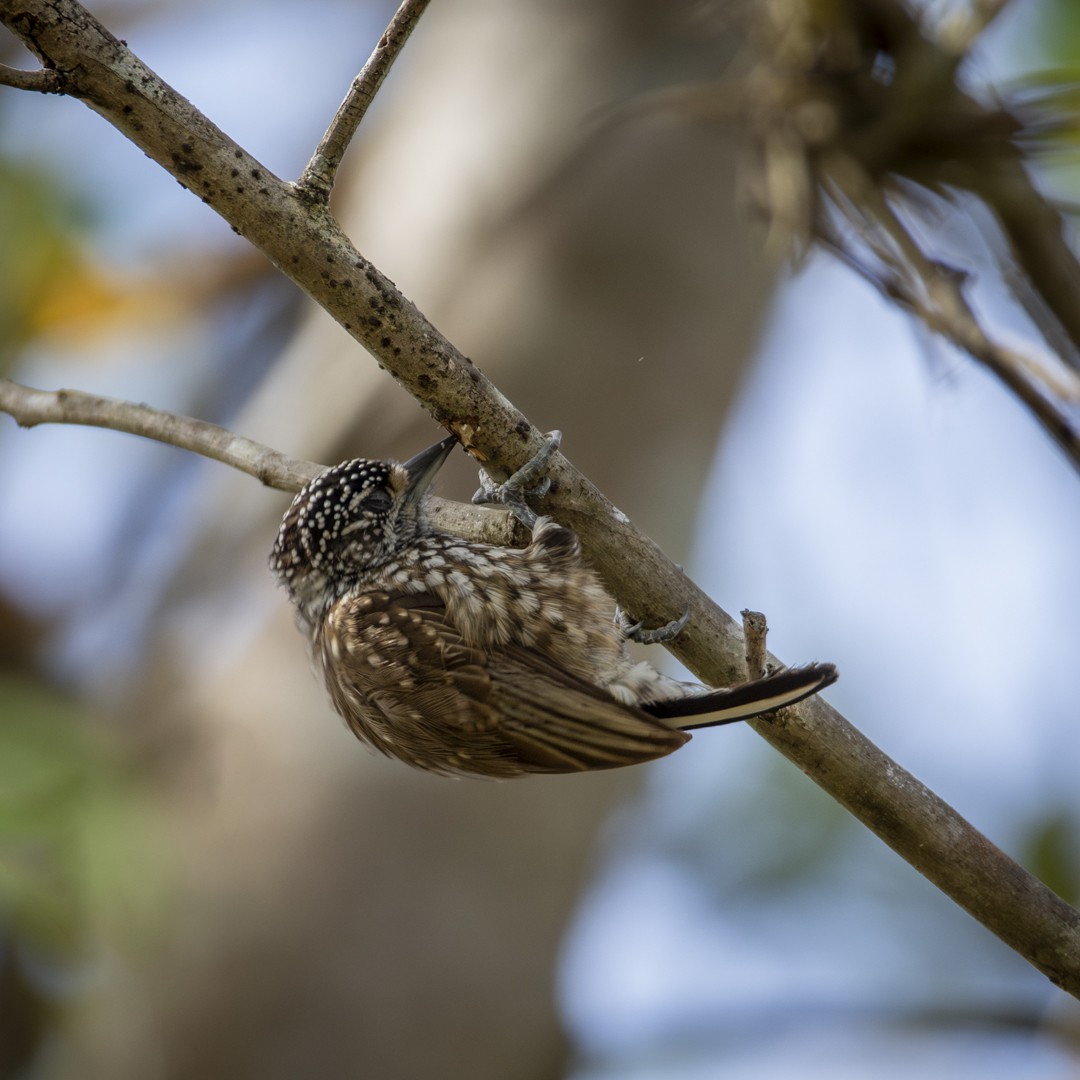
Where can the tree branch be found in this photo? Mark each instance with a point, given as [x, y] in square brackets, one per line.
[935, 294]
[30, 407]
[318, 177]
[308, 246]
[1039, 242]
[864, 111]
[43, 80]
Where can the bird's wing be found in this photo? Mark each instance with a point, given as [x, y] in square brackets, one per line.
[408, 683]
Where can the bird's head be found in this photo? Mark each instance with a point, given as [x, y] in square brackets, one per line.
[354, 517]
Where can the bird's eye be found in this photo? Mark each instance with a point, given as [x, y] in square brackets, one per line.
[379, 501]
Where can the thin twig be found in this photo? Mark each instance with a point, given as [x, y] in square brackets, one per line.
[935, 295]
[29, 407]
[920, 126]
[43, 80]
[755, 629]
[317, 179]
[1040, 241]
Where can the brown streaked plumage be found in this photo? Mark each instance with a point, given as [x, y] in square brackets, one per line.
[469, 659]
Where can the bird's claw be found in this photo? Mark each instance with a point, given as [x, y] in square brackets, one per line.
[657, 636]
[529, 482]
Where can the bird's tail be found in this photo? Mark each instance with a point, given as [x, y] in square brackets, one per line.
[715, 707]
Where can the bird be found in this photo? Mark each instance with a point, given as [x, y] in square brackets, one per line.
[469, 659]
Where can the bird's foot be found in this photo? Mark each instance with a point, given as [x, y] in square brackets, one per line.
[659, 635]
[529, 482]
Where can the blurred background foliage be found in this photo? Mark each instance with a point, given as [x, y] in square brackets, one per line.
[42, 251]
[199, 872]
[80, 859]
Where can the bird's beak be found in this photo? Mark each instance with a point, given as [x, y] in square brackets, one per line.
[424, 466]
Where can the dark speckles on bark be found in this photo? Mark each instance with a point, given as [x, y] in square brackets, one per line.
[185, 165]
